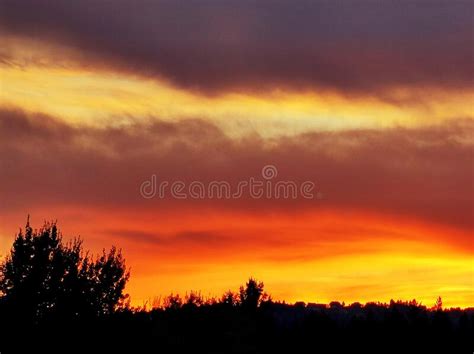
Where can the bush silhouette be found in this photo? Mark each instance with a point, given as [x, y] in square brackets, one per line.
[45, 279]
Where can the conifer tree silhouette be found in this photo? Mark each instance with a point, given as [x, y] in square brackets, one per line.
[251, 295]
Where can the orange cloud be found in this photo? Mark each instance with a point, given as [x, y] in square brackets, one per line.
[423, 173]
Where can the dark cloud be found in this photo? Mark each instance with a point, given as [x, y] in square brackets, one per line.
[424, 173]
[264, 244]
[216, 45]
[208, 238]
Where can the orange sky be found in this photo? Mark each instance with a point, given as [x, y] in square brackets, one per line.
[315, 257]
[382, 123]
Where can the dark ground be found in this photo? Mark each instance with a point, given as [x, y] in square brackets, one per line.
[270, 328]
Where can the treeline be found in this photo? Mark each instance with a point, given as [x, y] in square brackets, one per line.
[56, 297]
[225, 327]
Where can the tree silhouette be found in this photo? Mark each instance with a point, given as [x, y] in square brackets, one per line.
[230, 298]
[45, 279]
[251, 295]
[173, 302]
[438, 306]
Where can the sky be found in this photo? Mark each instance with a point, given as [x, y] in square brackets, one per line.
[369, 102]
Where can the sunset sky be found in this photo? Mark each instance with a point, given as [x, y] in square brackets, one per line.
[372, 101]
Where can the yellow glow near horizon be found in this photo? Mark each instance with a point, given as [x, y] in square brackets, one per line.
[355, 278]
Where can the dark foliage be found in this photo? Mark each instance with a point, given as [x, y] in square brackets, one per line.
[57, 299]
[252, 295]
[46, 280]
